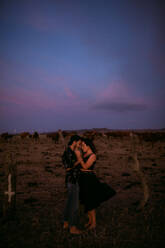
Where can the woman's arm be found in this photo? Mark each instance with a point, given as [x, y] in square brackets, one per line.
[88, 163]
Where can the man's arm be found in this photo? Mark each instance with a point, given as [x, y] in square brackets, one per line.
[76, 163]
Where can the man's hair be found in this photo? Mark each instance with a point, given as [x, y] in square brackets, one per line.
[74, 138]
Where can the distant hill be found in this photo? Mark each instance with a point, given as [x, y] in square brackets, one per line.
[81, 131]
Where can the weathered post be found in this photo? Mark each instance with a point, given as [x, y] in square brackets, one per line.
[137, 169]
[61, 138]
[9, 194]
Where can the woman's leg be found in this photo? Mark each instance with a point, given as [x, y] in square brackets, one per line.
[66, 224]
[93, 219]
[89, 219]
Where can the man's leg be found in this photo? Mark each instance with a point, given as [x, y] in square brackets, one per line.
[74, 209]
[67, 206]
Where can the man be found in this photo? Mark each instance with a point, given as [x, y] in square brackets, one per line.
[72, 172]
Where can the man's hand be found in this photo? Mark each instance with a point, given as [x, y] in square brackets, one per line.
[78, 153]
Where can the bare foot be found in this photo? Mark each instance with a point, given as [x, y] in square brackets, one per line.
[87, 225]
[75, 230]
[91, 227]
[66, 225]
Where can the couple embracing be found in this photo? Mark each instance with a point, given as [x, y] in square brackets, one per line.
[82, 184]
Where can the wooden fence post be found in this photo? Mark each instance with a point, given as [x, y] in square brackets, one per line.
[9, 194]
[137, 169]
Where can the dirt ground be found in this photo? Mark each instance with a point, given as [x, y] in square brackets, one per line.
[41, 195]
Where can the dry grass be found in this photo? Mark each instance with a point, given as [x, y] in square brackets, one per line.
[41, 196]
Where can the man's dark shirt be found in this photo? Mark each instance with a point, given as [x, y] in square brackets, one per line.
[69, 158]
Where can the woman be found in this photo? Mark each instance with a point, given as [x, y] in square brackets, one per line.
[92, 191]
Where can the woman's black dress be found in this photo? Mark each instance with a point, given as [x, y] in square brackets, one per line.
[92, 191]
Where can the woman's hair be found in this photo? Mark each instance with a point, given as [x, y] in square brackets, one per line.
[89, 143]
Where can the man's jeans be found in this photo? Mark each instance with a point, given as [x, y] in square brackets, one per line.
[72, 204]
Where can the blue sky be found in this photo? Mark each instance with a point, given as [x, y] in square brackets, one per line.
[81, 64]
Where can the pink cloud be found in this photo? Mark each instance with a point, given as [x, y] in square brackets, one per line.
[120, 97]
[69, 93]
[19, 99]
[56, 98]
[27, 98]
[117, 90]
[13, 73]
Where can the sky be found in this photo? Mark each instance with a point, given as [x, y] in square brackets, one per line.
[81, 64]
